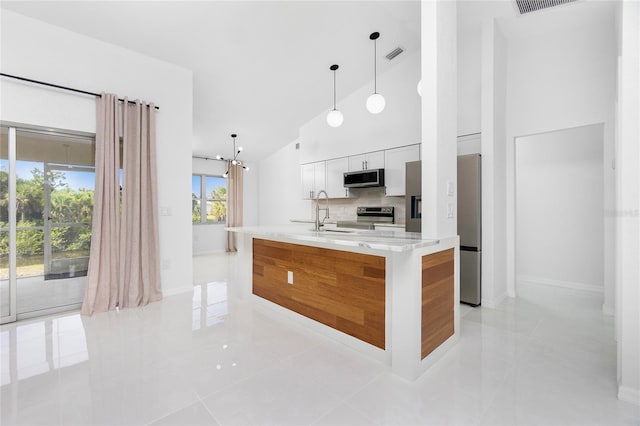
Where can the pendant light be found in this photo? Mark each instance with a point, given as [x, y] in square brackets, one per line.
[375, 102]
[235, 160]
[335, 117]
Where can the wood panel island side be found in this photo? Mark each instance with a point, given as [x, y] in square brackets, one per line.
[391, 295]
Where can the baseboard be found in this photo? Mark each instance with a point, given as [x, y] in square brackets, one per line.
[493, 303]
[628, 394]
[177, 290]
[559, 283]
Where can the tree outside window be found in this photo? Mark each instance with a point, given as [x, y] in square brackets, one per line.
[210, 191]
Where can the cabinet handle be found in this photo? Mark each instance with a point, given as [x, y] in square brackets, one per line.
[366, 165]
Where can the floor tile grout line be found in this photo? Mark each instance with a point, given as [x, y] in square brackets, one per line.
[343, 400]
[189, 404]
[215, 418]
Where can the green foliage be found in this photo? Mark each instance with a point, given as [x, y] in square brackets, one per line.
[195, 212]
[68, 206]
[217, 209]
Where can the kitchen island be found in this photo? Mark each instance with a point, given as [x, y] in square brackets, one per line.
[392, 295]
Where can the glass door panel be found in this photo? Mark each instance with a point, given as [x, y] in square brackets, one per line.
[54, 203]
[69, 209]
[7, 294]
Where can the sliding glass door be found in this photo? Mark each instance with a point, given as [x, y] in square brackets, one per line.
[50, 190]
[7, 270]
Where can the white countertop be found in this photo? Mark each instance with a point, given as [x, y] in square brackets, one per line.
[388, 240]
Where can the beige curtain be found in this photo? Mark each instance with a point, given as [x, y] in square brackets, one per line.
[234, 203]
[101, 293]
[124, 264]
[139, 260]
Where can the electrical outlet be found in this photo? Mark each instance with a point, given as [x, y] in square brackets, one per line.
[290, 277]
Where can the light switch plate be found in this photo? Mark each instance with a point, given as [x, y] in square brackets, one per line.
[290, 277]
[451, 209]
[450, 188]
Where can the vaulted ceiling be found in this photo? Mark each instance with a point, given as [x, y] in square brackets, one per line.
[260, 68]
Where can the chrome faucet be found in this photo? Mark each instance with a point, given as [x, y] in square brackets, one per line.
[326, 209]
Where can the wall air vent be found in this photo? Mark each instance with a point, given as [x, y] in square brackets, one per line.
[395, 52]
[526, 6]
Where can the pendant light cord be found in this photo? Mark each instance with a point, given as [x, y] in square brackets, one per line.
[334, 90]
[375, 68]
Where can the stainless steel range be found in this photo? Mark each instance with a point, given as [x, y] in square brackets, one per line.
[367, 217]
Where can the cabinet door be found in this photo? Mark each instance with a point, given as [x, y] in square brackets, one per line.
[374, 160]
[335, 181]
[394, 169]
[319, 177]
[356, 162]
[307, 176]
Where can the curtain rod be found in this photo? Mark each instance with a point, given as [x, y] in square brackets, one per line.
[207, 158]
[57, 86]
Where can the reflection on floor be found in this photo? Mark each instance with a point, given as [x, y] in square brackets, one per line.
[36, 294]
[201, 359]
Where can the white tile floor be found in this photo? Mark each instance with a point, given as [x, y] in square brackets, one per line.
[200, 359]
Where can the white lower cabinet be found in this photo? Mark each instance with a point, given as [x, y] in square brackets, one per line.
[394, 168]
[335, 181]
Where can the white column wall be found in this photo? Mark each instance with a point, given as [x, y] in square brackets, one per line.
[439, 117]
[493, 148]
[628, 207]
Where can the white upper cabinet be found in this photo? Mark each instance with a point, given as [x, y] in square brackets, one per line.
[313, 179]
[335, 181]
[394, 168]
[368, 161]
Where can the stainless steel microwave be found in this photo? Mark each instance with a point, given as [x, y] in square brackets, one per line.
[364, 178]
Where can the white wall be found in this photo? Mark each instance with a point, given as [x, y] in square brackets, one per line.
[563, 78]
[37, 50]
[469, 71]
[559, 215]
[397, 125]
[280, 188]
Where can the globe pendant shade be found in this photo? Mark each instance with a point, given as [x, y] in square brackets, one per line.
[335, 118]
[375, 103]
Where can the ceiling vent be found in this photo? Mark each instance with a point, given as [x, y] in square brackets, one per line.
[395, 52]
[526, 6]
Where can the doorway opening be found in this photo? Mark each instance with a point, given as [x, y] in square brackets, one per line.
[559, 209]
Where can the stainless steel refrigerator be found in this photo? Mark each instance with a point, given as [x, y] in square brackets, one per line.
[469, 228]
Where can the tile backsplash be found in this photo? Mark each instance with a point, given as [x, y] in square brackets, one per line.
[345, 208]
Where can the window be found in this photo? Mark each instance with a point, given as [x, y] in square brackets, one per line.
[211, 192]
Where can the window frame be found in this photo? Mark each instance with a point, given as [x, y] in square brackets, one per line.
[204, 198]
